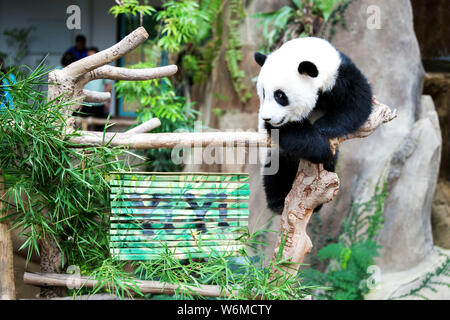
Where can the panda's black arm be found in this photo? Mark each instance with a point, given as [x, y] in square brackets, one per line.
[302, 141]
[347, 106]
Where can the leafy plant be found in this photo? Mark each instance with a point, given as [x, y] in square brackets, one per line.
[336, 17]
[53, 189]
[131, 7]
[182, 22]
[191, 31]
[18, 39]
[429, 281]
[349, 258]
[234, 55]
[301, 19]
[239, 275]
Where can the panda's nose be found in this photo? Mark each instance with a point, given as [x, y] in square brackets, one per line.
[267, 119]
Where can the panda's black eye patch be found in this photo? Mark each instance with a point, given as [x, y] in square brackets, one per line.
[264, 94]
[281, 98]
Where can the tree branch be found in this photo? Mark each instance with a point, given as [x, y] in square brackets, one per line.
[147, 126]
[312, 187]
[7, 285]
[61, 280]
[95, 96]
[127, 44]
[102, 122]
[117, 73]
[171, 140]
[69, 82]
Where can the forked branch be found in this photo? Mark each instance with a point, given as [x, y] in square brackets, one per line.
[69, 82]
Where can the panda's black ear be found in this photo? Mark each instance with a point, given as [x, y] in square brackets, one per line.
[260, 58]
[309, 68]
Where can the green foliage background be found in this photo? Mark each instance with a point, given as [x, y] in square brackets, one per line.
[53, 189]
[348, 260]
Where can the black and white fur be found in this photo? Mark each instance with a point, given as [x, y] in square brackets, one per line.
[311, 92]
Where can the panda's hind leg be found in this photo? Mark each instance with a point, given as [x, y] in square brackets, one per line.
[277, 186]
[330, 167]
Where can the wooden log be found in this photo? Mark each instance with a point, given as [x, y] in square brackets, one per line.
[7, 285]
[312, 187]
[157, 287]
[172, 140]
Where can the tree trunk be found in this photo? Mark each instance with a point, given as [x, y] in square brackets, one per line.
[51, 262]
[7, 286]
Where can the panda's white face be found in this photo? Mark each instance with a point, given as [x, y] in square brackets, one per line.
[292, 77]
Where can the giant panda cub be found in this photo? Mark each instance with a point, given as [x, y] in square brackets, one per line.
[311, 92]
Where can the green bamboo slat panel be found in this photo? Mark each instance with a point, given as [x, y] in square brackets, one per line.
[140, 257]
[176, 249]
[182, 191]
[179, 212]
[154, 253]
[176, 243]
[195, 197]
[181, 177]
[167, 204]
[178, 225]
[189, 214]
[176, 184]
[150, 232]
[172, 237]
[159, 219]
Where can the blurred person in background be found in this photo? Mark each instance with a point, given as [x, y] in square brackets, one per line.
[67, 59]
[79, 50]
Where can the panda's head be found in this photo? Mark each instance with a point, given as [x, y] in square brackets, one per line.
[292, 77]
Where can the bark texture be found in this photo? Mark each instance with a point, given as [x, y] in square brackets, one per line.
[7, 286]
